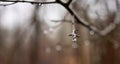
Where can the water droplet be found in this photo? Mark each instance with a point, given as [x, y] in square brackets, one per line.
[116, 45]
[92, 32]
[45, 32]
[58, 47]
[86, 42]
[64, 1]
[39, 4]
[51, 29]
[74, 39]
[48, 50]
[74, 45]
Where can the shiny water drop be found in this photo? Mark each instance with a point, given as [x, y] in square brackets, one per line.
[39, 4]
[48, 50]
[51, 29]
[74, 39]
[58, 47]
[64, 1]
[86, 42]
[92, 32]
[74, 45]
[45, 32]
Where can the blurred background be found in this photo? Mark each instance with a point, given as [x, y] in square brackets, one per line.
[33, 34]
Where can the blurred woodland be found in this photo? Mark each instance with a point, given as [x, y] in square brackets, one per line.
[33, 34]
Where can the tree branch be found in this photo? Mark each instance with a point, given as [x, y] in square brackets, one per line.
[66, 5]
[32, 2]
[7, 4]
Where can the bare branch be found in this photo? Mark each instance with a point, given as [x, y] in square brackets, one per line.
[65, 5]
[32, 2]
[7, 4]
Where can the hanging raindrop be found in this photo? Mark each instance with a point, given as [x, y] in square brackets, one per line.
[116, 45]
[48, 50]
[45, 32]
[74, 45]
[86, 42]
[50, 29]
[74, 39]
[92, 32]
[65, 1]
[39, 4]
[58, 48]
[74, 35]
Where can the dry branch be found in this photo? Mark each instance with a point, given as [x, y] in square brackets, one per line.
[65, 5]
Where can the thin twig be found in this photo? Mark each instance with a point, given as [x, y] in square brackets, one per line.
[7, 4]
[32, 2]
[66, 5]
